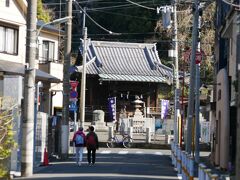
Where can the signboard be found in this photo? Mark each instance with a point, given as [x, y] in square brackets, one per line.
[164, 108]
[73, 106]
[73, 84]
[73, 92]
[112, 108]
[198, 57]
[205, 132]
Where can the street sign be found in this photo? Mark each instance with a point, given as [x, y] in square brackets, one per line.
[74, 84]
[73, 106]
[73, 94]
[198, 57]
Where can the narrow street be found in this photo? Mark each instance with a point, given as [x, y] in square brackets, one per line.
[116, 163]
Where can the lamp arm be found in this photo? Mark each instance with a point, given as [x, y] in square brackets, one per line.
[39, 30]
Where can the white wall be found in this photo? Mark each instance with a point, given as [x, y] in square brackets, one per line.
[14, 16]
[57, 71]
[57, 100]
[48, 37]
[232, 58]
[230, 33]
[13, 13]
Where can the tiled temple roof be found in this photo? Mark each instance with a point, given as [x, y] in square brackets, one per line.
[118, 61]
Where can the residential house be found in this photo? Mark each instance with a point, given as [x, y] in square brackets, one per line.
[49, 61]
[224, 116]
[12, 69]
[12, 46]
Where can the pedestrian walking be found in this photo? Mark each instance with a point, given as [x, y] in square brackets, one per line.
[79, 140]
[92, 145]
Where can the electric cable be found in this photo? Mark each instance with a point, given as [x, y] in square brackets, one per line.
[120, 14]
[231, 4]
[110, 32]
[141, 5]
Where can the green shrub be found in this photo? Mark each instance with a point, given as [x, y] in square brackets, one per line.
[6, 140]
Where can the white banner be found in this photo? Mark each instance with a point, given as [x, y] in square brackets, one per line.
[205, 132]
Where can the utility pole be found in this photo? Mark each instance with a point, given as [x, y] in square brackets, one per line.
[66, 84]
[177, 91]
[166, 14]
[84, 20]
[83, 81]
[192, 78]
[197, 100]
[238, 100]
[29, 92]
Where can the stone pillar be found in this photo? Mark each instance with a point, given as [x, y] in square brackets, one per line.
[98, 120]
[148, 135]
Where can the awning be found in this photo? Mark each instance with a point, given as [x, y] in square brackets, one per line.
[13, 68]
[43, 76]
[133, 78]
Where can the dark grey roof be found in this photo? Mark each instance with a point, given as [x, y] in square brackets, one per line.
[48, 27]
[9, 67]
[118, 61]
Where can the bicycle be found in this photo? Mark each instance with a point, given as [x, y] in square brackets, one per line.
[127, 141]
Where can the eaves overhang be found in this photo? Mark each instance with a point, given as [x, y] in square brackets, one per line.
[134, 78]
[13, 68]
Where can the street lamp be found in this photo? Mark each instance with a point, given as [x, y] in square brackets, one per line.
[83, 81]
[67, 50]
[54, 22]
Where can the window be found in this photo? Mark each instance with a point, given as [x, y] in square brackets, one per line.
[8, 40]
[48, 51]
[7, 3]
[219, 95]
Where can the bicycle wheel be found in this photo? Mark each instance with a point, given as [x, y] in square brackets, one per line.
[127, 142]
[111, 143]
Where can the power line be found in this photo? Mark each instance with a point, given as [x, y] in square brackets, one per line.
[110, 32]
[140, 33]
[137, 4]
[124, 6]
[111, 7]
[231, 4]
[87, 1]
[98, 2]
[120, 14]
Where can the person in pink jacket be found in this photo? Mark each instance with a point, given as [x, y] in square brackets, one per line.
[79, 140]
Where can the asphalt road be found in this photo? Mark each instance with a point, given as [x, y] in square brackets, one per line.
[119, 164]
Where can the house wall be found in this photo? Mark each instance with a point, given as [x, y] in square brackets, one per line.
[53, 97]
[54, 68]
[224, 125]
[49, 37]
[232, 68]
[14, 16]
[223, 120]
[14, 13]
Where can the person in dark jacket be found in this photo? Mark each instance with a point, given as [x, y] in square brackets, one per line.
[92, 145]
[79, 140]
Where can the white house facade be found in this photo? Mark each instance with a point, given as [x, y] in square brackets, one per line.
[49, 72]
